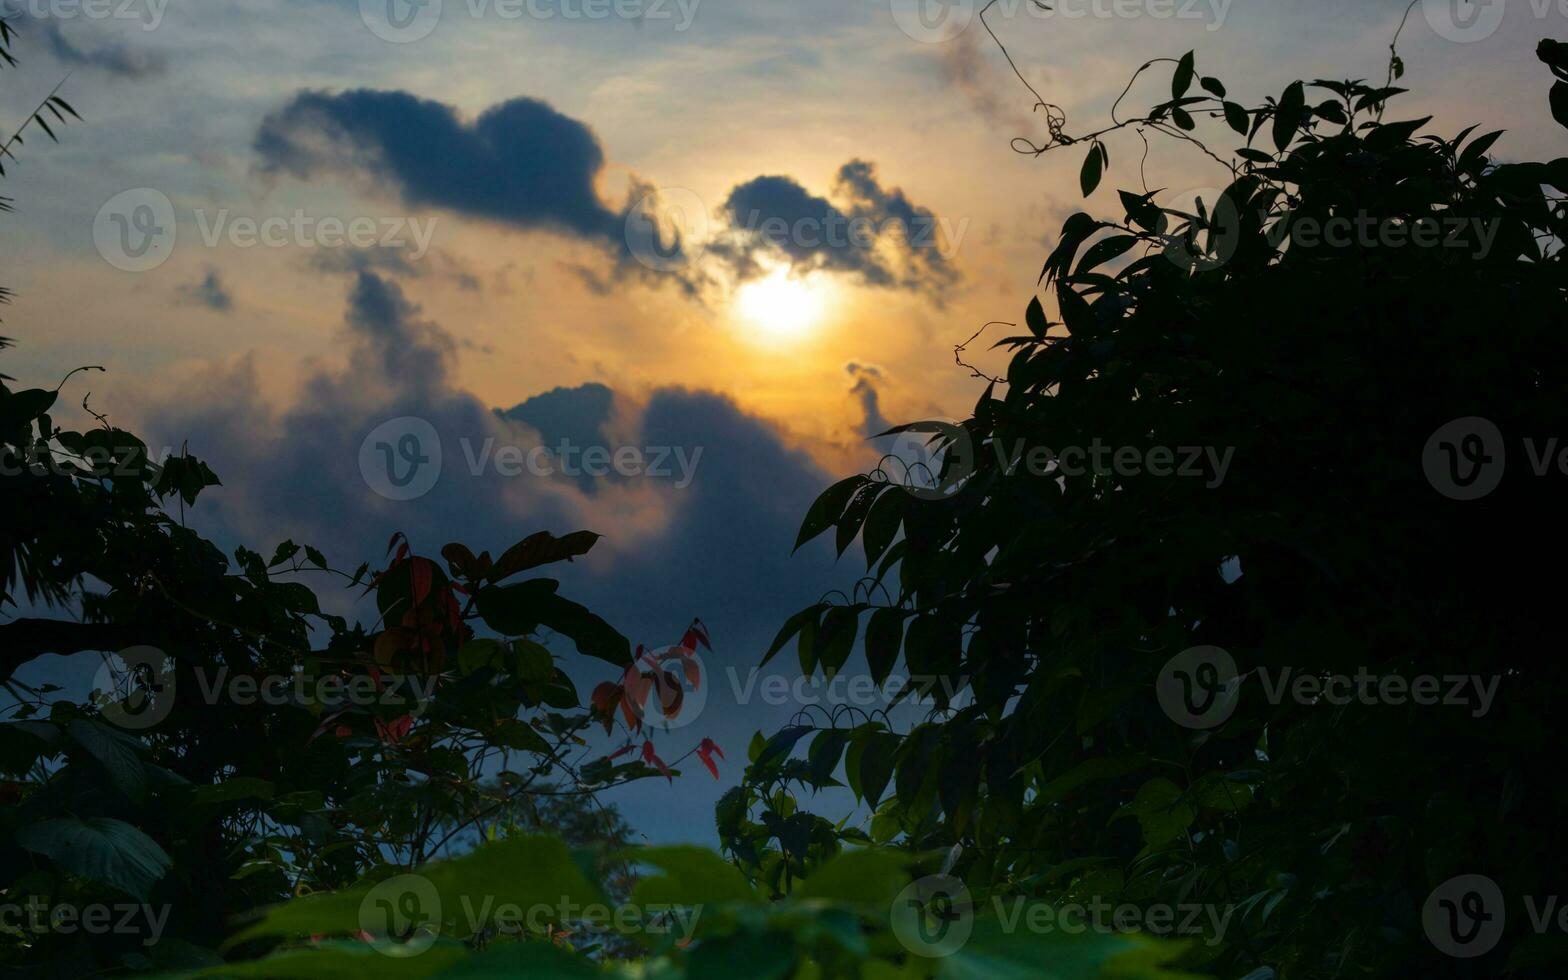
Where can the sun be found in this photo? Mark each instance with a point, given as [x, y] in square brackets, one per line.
[781, 307]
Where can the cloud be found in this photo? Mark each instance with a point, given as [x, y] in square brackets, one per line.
[867, 377]
[210, 292]
[112, 58]
[874, 234]
[520, 164]
[992, 93]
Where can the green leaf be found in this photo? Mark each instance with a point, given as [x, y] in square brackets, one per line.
[871, 877]
[692, 876]
[101, 848]
[825, 511]
[884, 635]
[525, 870]
[117, 752]
[742, 957]
[882, 525]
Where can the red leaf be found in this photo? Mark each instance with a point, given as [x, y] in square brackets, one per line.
[695, 634]
[652, 759]
[620, 751]
[420, 575]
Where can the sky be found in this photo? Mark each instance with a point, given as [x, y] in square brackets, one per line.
[720, 242]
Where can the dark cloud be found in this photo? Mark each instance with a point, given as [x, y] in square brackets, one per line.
[867, 378]
[113, 58]
[873, 233]
[395, 261]
[521, 163]
[210, 292]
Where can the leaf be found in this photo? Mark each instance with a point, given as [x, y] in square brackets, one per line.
[692, 876]
[1236, 117]
[742, 957]
[884, 635]
[1093, 168]
[514, 610]
[1287, 115]
[1105, 250]
[101, 848]
[1213, 86]
[1558, 97]
[117, 752]
[791, 627]
[592, 635]
[877, 759]
[882, 525]
[871, 877]
[236, 788]
[525, 870]
[825, 511]
[1181, 81]
[538, 549]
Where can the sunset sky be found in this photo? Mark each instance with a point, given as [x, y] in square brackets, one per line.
[531, 141]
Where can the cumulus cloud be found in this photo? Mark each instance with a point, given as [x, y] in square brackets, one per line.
[520, 164]
[874, 234]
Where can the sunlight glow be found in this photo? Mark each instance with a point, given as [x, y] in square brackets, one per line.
[780, 307]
